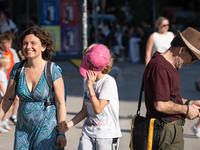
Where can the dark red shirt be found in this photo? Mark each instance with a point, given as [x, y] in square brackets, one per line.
[161, 83]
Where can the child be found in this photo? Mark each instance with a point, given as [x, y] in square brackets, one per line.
[6, 50]
[101, 130]
[4, 65]
[5, 44]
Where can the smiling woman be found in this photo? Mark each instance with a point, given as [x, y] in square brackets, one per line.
[36, 122]
[32, 47]
[45, 39]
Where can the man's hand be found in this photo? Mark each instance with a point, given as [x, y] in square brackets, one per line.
[193, 112]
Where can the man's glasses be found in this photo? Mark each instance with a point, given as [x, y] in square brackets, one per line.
[193, 56]
[165, 25]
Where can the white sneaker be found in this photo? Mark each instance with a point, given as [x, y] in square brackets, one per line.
[2, 130]
[5, 125]
[196, 131]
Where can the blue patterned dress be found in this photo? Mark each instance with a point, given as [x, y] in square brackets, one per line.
[36, 124]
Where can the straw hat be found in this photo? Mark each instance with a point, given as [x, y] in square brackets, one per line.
[191, 38]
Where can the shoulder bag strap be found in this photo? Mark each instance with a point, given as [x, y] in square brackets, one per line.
[19, 69]
[17, 75]
[48, 75]
[140, 98]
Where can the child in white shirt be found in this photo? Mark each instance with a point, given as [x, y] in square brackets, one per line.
[101, 130]
[4, 65]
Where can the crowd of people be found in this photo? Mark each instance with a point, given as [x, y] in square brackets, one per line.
[41, 123]
[122, 39]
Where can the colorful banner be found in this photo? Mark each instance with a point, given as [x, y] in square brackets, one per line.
[69, 13]
[49, 12]
[70, 39]
[55, 31]
[61, 19]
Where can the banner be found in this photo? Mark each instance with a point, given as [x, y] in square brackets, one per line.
[61, 19]
[55, 31]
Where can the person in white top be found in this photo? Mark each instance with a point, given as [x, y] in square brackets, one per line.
[160, 40]
[101, 129]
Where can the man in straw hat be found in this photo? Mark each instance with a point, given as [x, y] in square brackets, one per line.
[162, 88]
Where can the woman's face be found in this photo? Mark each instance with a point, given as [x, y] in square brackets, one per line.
[32, 47]
[164, 26]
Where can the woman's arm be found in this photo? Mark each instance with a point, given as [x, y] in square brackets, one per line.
[58, 86]
[149, 47]
[6, 103]
[173, 35]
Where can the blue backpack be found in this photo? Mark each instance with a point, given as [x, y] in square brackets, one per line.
[48, 76]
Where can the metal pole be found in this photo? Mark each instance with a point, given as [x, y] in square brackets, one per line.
[85, 44]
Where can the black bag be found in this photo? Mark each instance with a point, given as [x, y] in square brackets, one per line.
[145, 132]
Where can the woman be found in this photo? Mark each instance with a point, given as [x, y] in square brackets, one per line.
[36, 122]
[160, 40]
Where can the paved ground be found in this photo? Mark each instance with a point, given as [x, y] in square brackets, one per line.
[128, 78]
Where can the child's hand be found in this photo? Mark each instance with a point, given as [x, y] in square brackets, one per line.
[58, 127]
[92, 76]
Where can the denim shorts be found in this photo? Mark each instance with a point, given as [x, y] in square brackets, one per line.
[89, 143]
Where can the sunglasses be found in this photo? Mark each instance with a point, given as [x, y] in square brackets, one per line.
[193, 56]
[165, 25]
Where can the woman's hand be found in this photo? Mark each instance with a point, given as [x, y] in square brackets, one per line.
[61, 141]
[92, 76]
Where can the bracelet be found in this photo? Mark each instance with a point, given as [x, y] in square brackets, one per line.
[187, 110]
[92, 96]
[61, 135]
[187, 102]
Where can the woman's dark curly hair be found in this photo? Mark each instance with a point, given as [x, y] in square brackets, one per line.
[45, 38]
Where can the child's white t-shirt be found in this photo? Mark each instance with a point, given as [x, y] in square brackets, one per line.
[3, 79]
[105, 124]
